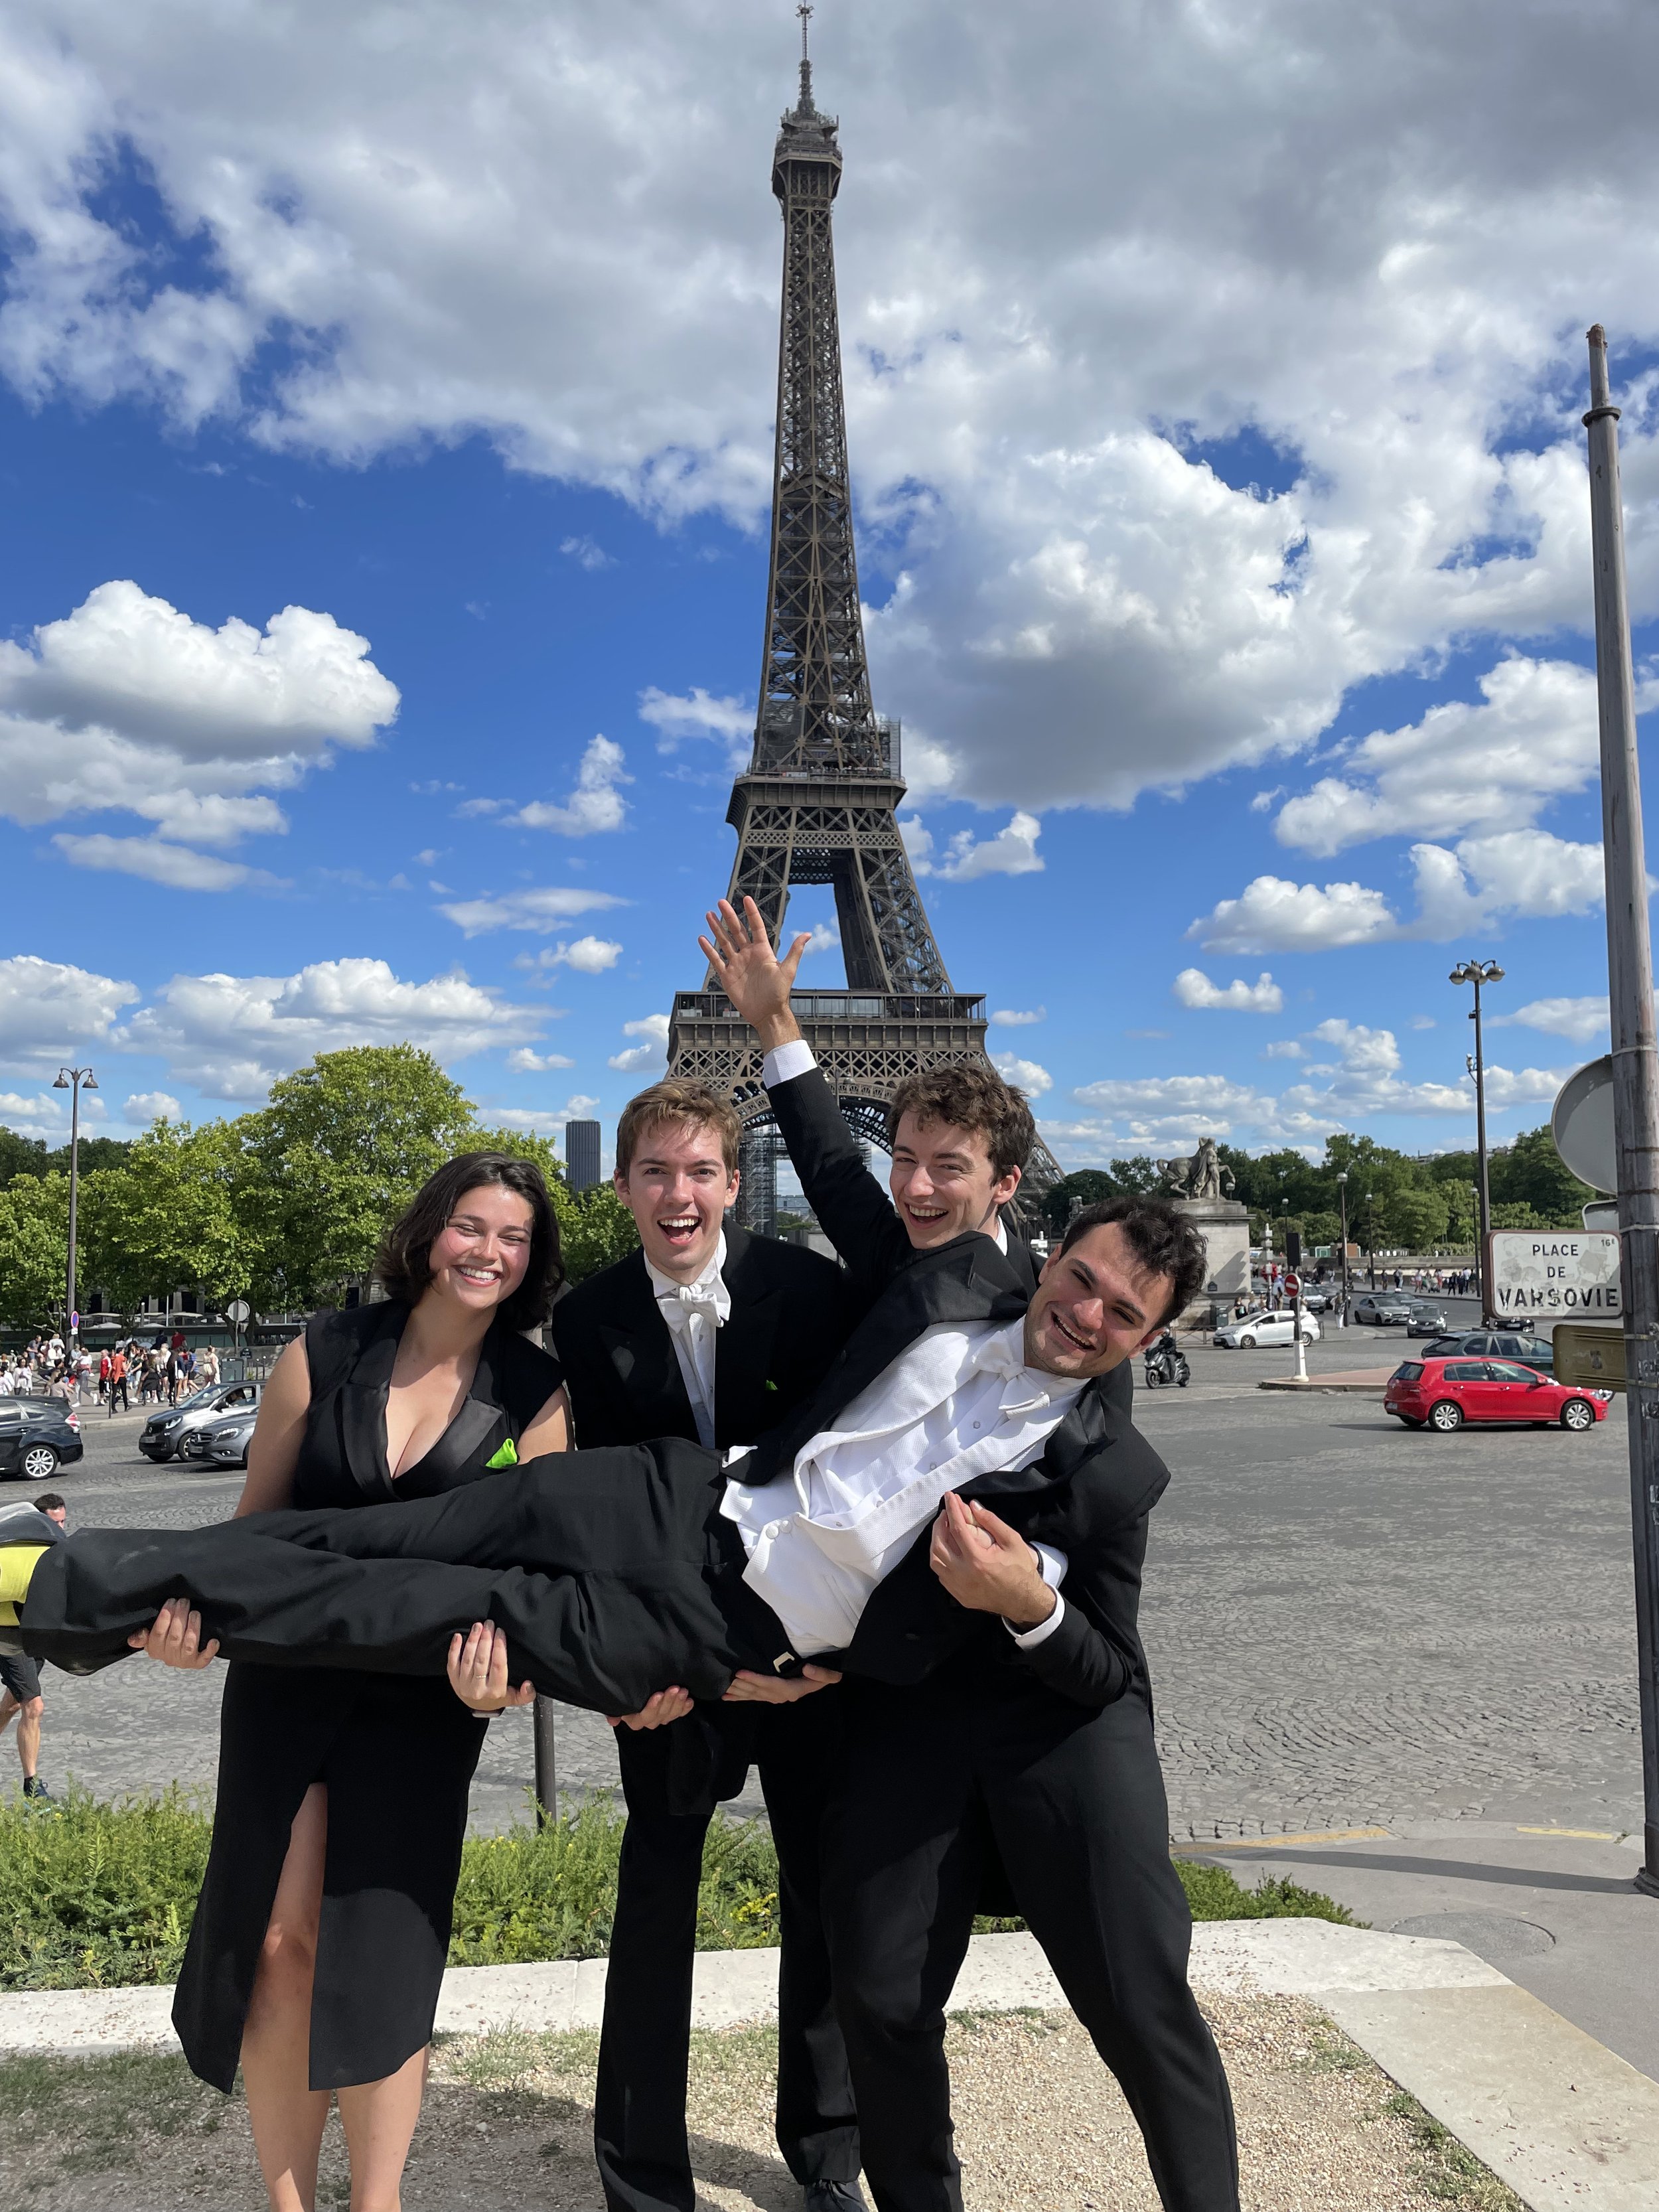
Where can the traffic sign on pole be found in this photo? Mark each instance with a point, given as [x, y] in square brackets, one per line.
[1545, 1273]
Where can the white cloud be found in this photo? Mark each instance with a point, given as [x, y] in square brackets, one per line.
[1032, 1078]
[544, 909]
[1284, 1049]
[1272, 915]
[50, 1012]
[588, 955]
[127, 703]
[233, 1036]
[158, 862]
[696, 714]
[595, 805]
[822, 936]
[586, 554]
[1011, 852]
[1581, 1020]
[543, 1122]
[1009, 1017]
[143, 1107]
[1464, 767]
[653, 1053]
[38, 1117]
[1292, 220]
[1193, 988]
[523, 1061]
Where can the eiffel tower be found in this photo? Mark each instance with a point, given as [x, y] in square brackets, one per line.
[818, 802]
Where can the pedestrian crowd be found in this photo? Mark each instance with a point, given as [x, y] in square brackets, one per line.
[163, 1372]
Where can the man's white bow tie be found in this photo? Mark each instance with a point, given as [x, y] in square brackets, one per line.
[1024, 1390]
[694, 1297]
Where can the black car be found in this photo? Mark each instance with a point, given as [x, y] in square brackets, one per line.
[37, 1436]
[1495, 1344]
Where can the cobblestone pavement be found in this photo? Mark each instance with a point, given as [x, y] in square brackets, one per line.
[1349, 1624]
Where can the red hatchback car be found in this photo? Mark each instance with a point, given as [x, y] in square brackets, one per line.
[1444, 1394]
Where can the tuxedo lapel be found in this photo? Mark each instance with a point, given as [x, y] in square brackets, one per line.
[640, 1352]
[1086, 1431]
[742, 1349]
[362, 1400]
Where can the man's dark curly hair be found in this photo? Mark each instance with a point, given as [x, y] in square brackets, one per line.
[403, 1262]
[968, 1095]
[1161, 1238]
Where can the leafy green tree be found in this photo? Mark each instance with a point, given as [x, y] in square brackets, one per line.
[1415, 1217]
[180, 1211]
[1531, 1172]
[1515, 1216]
[25, 1155]
[1137, 1174]
[343, 1144]
[95, 1153]
[33, 1250]
[1083, 1186]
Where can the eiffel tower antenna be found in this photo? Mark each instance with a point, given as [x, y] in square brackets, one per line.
[818, 801]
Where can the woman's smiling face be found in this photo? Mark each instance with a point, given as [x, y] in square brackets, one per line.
[480, 1255]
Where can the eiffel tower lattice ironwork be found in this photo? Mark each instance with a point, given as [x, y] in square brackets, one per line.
[818, 802]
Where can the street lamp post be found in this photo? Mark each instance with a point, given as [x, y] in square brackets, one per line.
[75, 1081]
[1478, 972]
[1342, 1197]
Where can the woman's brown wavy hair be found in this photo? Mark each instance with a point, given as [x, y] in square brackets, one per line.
[402, 1263]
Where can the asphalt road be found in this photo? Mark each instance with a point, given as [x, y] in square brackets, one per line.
[1349, 1623]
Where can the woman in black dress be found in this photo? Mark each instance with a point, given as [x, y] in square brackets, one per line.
[319, 1939]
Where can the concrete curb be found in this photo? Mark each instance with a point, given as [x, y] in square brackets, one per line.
[1554, 2113]
[1365, 1383]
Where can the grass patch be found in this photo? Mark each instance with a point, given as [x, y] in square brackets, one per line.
[1446, 2171]
[93, 2111]
[101, 1895]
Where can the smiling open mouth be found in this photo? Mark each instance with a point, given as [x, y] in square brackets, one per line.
[1072, 1336]
[680, 1228]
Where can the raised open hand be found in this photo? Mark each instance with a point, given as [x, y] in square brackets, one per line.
[750, 973]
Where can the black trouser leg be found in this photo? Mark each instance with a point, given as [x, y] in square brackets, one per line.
[597, 1564]
[902, 1858]
[639, 2105]
[797, 1750]
[1084, 1830]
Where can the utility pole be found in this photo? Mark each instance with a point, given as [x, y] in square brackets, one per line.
[74, 1080]
[1635, 1059]
[1478, 972]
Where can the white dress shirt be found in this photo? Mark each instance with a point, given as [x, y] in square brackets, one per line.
[955, 1404]
[693, 1313]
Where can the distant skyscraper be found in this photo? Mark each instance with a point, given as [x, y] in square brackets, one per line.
[581, 1154]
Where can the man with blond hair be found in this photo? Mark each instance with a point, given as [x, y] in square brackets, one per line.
[708, 1334]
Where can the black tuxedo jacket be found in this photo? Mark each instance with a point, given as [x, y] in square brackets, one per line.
[855, 1213]
[1089, 1496]
[787, 1321]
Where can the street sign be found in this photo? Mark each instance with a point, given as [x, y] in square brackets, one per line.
[1570, 1272]
[1580, 1123]
[74, 1321]
[1592, 1357]
[1292, 1286]
[238, 1311]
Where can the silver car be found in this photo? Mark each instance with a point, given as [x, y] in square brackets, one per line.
[174, 1432]
[224, 1443]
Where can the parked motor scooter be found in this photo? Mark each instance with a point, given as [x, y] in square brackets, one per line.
[1166, 1363]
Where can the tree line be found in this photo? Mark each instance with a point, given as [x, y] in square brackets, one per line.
[1395, 1201]
[282, 1207]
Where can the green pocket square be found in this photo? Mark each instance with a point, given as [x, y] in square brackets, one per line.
[507, 1456]
[771, 1385]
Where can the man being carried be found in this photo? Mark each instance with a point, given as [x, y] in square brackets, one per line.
[613, 1572]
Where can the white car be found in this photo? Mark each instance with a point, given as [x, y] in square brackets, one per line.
[1266, 1328]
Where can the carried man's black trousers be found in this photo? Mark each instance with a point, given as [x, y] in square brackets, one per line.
[612, 1573]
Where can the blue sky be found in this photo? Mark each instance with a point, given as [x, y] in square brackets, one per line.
[1226, 554]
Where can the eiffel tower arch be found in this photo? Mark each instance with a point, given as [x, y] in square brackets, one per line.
[818, 802]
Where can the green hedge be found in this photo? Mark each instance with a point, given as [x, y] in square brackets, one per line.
[99, 1895]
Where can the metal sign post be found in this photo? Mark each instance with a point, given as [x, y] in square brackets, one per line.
[547, 1778]
[1635, 1058]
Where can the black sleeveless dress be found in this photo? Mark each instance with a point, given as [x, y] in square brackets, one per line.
[397, 1753]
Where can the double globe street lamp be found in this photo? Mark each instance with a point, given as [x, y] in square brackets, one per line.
[1478, 972]
[75, 1081]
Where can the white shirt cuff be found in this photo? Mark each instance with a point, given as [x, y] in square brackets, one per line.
[1052, 1565]
[786, 1061]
